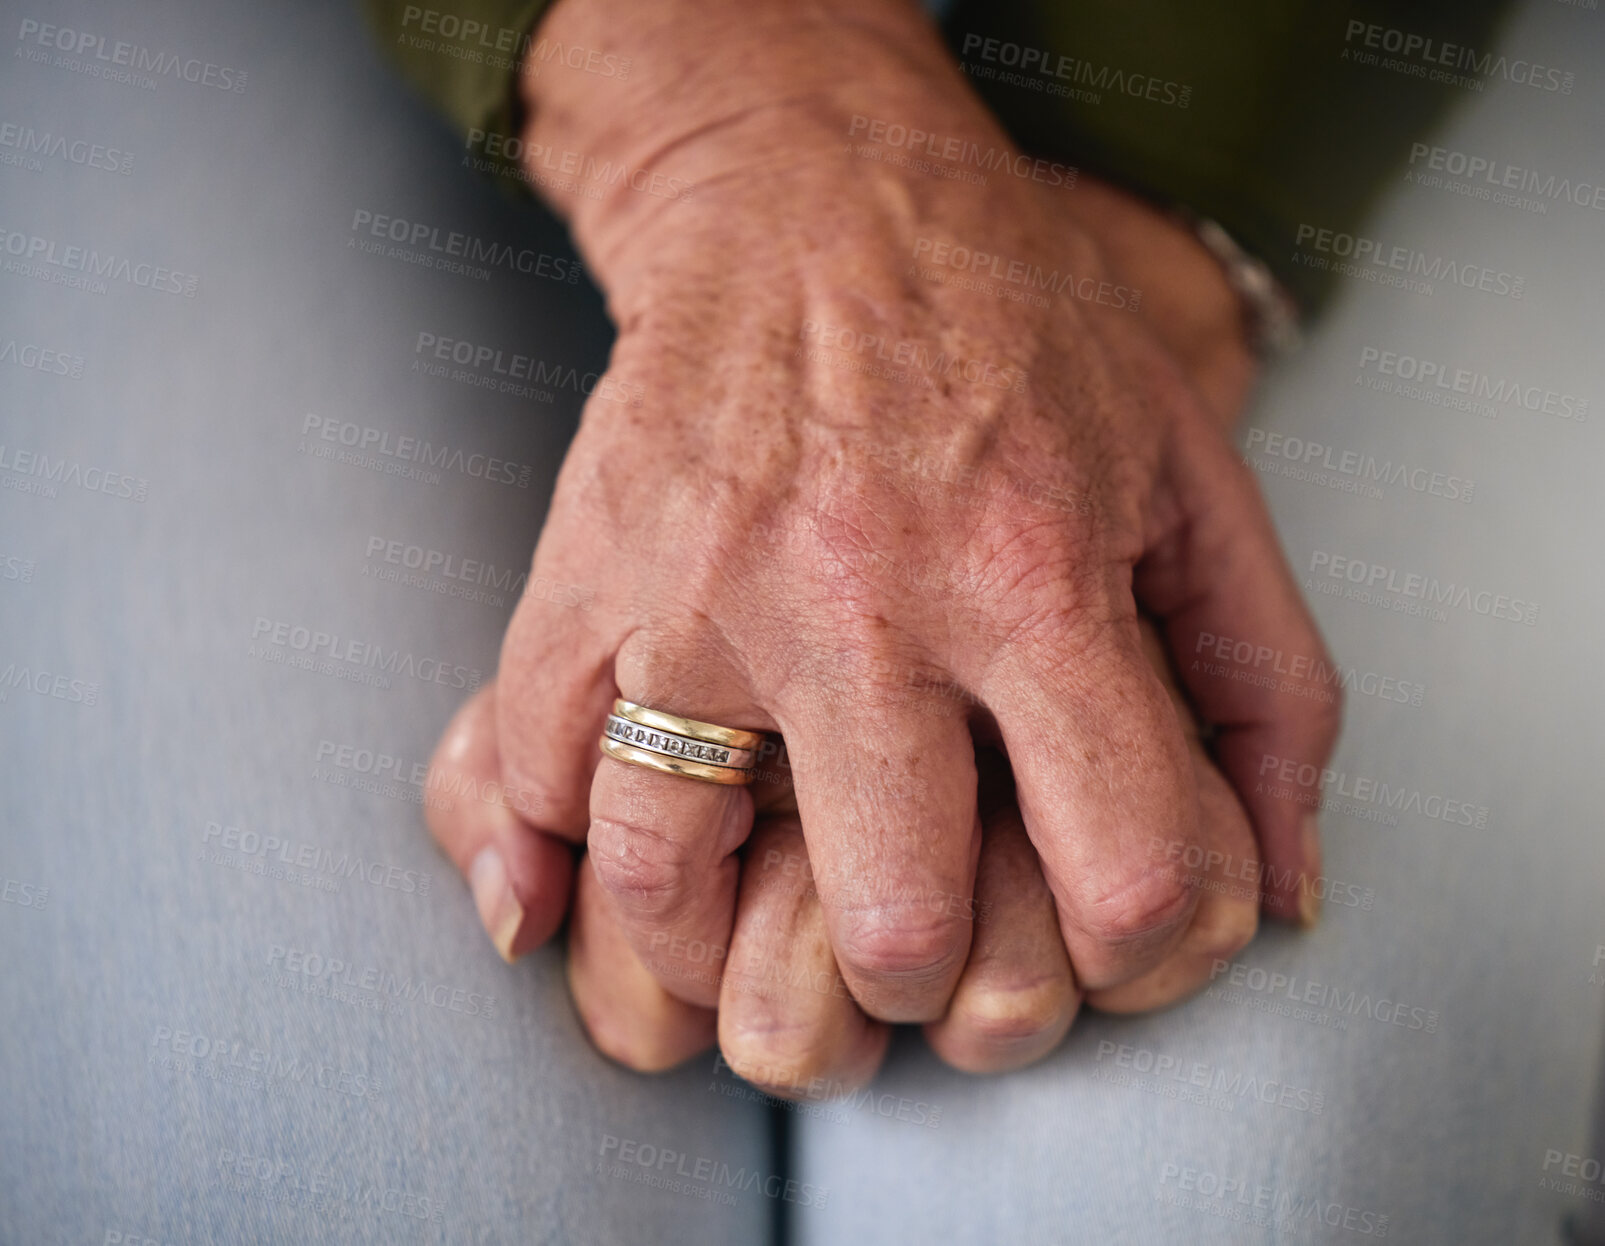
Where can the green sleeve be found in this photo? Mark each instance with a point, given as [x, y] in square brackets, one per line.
[464, 58]
[1261, 114]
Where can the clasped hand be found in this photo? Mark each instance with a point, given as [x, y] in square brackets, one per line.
[961, 571]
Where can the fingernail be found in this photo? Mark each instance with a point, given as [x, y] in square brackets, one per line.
[498, 907]
[1309, 904]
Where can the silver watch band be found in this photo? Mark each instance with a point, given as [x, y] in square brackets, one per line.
[1269, 312]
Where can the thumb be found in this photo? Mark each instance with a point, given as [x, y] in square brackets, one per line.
[521, 878]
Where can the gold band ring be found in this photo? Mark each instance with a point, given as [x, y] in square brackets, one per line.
[671, 744]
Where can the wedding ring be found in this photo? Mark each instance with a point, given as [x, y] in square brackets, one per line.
[684, 746]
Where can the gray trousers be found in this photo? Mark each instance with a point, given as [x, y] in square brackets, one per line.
[260, 530]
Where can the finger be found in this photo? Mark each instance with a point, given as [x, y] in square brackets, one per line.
[556, 678]
[1101, 768]
[628, 1015]
[520, 877]
[885, 788]
[1223, 866]
[1017, 995]
[663, 845]
[1250, 655]
[1225, 871]
[787, 1022]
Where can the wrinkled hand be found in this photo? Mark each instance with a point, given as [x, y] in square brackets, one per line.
[786, 1020]
[885, 563]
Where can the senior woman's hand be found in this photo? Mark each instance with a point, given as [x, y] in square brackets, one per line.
[906, 460]
[786, 1020]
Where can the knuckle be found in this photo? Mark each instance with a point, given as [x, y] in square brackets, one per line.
[1055, 554]
[1010, 1013]
[859, 659]
[845, 540]
[637, 866]
[1069, 631]
[1220, 931]
[1138, 909]
[902, 942]
[883, 677]
[1326, 719]
[777, 1056]
[641, 1048]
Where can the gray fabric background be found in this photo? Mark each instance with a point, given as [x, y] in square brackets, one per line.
[436, 1125]
[498, 1120]
[1495, 929]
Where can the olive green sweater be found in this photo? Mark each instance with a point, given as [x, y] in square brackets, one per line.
[1265, 115]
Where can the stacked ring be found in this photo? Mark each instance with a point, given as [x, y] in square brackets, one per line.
[684, 746]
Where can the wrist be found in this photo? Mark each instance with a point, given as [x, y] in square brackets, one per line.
[719, 94]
